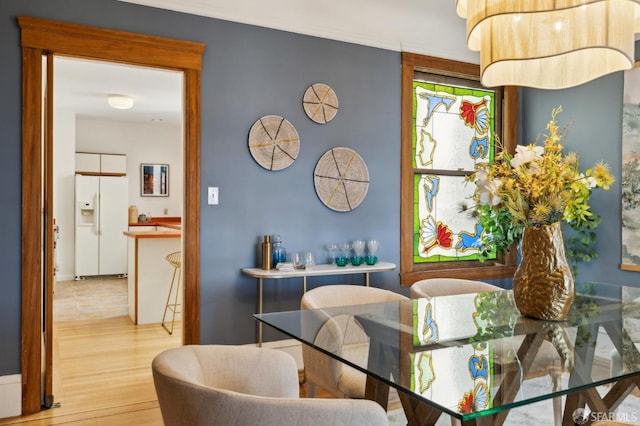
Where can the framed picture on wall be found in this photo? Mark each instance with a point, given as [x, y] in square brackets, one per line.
[154, 180]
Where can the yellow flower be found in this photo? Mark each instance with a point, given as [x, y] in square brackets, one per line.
[538, 185]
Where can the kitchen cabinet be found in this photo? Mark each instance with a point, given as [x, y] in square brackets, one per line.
[149, 273]
[97, 163]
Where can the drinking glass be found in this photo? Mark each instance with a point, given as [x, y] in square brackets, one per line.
[332, 248]
[298, 260]
[309, 260]
[358, 251]
[372, 251]
[343, 257]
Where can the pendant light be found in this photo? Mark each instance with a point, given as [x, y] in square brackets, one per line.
[550, 44]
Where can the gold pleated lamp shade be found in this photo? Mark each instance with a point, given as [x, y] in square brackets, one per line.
[550, 44]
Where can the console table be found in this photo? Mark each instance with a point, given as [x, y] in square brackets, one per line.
[315, 270]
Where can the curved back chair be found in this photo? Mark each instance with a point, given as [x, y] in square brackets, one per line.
[221, 385]
[340, 334]
[433, 287]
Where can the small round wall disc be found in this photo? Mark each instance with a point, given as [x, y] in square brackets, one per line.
[320, 103]
[274, 142]
[341, 179]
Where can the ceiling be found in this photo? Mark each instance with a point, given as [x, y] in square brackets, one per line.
[82, 86]
[429, 27]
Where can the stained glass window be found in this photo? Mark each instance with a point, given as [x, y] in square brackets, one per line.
[450, 122]
[453, 128]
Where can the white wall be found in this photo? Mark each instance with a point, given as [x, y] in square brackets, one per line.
[149, 143]
[64, 136]
[142, 143]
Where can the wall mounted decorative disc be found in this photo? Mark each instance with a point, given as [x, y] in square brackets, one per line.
[341, 179]
[320, 103]
[274, 142]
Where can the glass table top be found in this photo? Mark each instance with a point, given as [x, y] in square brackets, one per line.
[473, 354]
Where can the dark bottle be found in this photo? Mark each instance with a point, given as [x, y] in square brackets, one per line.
[279, 252]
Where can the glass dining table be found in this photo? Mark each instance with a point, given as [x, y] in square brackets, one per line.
[474, 357]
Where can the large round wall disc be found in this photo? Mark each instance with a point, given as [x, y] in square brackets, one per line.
[274, 142]
[320, 103]
[341, 179]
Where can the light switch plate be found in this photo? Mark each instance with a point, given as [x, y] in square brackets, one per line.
[213, 195]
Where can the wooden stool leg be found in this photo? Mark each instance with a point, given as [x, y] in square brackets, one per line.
[168, 305]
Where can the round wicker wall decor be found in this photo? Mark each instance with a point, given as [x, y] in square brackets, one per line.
[341, 179]
[320, 103]
[274, 142]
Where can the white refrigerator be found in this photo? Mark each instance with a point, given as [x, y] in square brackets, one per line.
[101, 218]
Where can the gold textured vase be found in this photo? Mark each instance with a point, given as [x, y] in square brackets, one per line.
[543, 286]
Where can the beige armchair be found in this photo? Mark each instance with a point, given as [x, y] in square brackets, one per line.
[339, 334]
[433, 287]
[243, 385]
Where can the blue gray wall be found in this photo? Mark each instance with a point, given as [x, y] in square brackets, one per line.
[593, 113]
[249, 72]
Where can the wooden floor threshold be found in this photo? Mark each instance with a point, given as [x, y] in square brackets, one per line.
[142, 413]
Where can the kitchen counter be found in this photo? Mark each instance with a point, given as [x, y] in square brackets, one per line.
[149, 272]
[153, 234]
[165, 222]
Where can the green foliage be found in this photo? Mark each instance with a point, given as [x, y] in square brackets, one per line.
[497, 313]
[500, 230]
[580, 242]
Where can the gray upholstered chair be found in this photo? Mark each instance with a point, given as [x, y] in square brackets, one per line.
[433, 287]
[243, 385]
[341, 334]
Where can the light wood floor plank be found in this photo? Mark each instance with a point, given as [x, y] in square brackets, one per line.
[102, 373]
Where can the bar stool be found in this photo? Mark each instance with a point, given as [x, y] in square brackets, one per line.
[175, 260]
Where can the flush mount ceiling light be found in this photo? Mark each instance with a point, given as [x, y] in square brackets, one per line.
[550, 44]
[120, 101]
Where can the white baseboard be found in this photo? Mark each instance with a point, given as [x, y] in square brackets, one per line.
[10, 395]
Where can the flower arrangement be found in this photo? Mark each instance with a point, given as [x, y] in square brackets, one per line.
[536, 186]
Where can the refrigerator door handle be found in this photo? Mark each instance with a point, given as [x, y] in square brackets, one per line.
[98, 227]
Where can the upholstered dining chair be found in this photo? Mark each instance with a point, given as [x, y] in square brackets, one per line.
[433, 287]
[243, 385]
[342, 334]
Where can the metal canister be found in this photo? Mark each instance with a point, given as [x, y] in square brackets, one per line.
[267, 253]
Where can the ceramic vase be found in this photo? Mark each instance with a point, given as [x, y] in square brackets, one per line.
[543, 286]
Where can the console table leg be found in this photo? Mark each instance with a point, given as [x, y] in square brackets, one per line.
[259, 311]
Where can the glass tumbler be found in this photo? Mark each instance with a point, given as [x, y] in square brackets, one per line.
[372, 252]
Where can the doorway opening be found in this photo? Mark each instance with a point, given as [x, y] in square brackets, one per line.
[44, 37]
[91, 207]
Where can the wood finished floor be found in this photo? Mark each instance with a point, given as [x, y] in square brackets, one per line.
[102, 373]
[102, 366]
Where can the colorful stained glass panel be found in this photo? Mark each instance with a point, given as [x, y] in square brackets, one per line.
[454, 129]
[442, 231]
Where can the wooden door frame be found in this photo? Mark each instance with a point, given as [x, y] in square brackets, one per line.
[41, 36]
